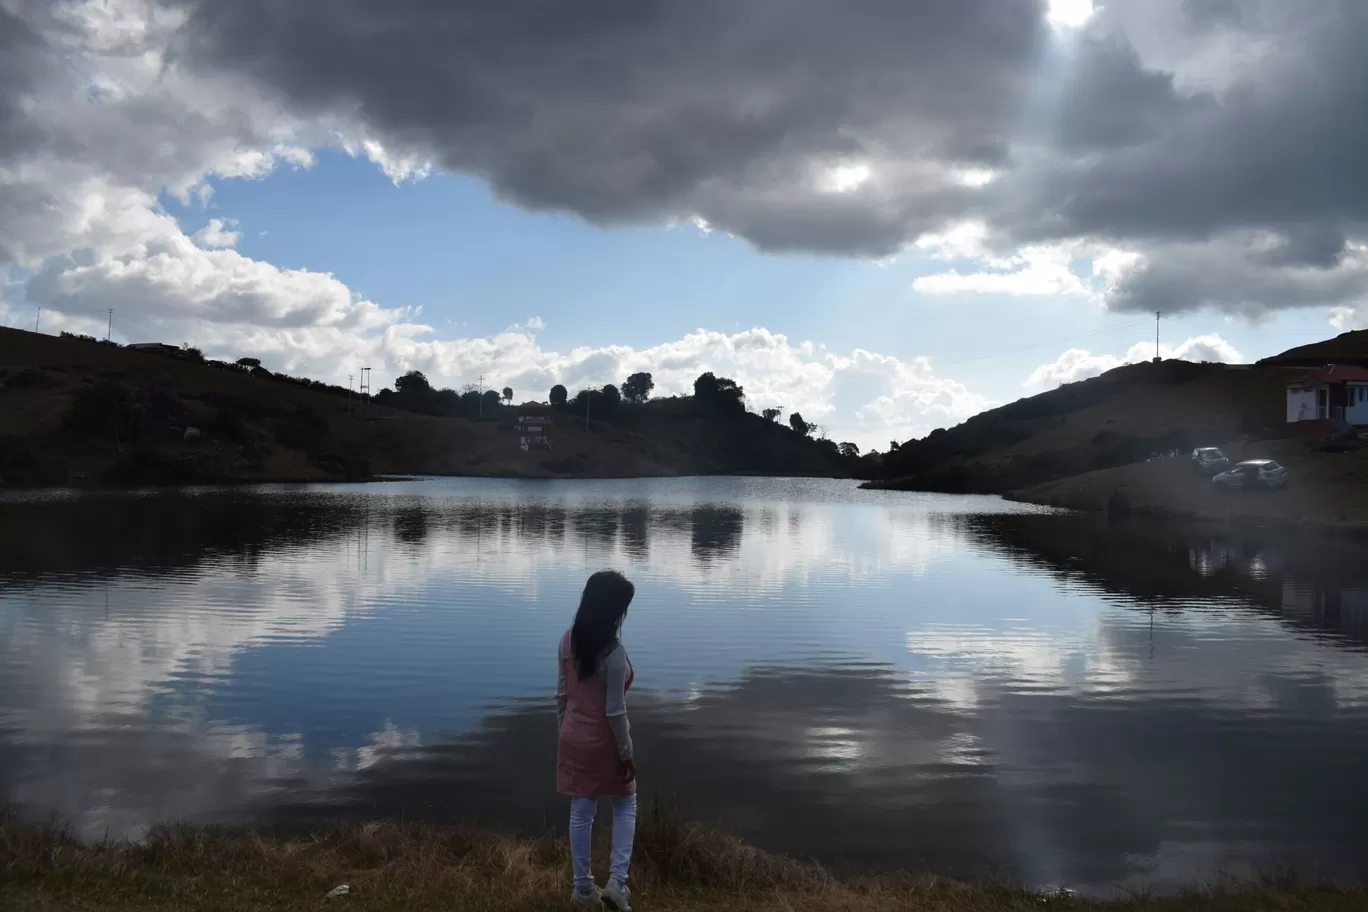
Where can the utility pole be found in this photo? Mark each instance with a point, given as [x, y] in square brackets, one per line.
[110, 327]
[365, 390]
[349, 395]
[1157, 315]
[480, 387]
[38, 317]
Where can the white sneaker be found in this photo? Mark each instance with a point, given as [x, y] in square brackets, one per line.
[615, 896]
[593, 898]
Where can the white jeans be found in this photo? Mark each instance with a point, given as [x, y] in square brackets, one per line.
[582, 812]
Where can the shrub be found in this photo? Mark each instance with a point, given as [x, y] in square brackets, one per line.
[103, 410]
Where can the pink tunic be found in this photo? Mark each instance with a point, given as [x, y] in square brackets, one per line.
[587, 761]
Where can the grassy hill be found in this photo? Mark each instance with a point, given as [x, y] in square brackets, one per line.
[1118, 418]
[1088, 445]
[1346, 348]
[78, 411]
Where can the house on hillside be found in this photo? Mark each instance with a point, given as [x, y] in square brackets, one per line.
[533, 426]
[154, 348]
[161, 348]
[1337, 393]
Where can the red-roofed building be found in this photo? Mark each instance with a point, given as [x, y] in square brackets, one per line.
[1336, 392]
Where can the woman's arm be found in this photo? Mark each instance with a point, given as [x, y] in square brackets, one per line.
[560, 688]
[615, 705]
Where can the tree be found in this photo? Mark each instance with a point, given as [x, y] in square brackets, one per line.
[508, 394]
[413, 392]
[413, 384]
[490, 401]
[612, 398]
[105, 410]
[638, 388]
[798, 424]
[559, 396]
[248, 363]
[772, 414]
[721, 393]
[850, 450]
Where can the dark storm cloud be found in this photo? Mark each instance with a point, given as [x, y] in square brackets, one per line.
[1281, 154]
[623, 111]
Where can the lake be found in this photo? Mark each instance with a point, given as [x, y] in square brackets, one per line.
[873, 679]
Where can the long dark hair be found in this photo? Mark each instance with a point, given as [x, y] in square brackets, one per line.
[601, 610]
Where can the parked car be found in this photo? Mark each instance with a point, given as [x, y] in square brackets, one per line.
[1251, 475]
[1209, 461]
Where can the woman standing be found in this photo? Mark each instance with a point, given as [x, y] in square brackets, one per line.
[594, 753]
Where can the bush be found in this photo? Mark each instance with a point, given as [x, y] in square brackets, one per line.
[15, 457]
[104, 410]
[29, 378]
[228, 424]
[148, 466]
[304, 429]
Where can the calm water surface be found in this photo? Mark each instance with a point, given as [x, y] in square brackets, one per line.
[871, 679]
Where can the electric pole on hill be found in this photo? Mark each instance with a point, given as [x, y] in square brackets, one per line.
[349, 395]
[109, 328]
[480, 405]
[364, 392]
[1157, 315]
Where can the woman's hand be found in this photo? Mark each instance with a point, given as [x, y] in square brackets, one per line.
[629, 770]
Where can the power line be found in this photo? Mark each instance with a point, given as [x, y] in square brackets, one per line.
[1096, 332]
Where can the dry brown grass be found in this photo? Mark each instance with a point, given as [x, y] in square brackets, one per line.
[391, 866]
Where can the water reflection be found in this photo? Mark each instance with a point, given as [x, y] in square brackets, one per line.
[872, 679]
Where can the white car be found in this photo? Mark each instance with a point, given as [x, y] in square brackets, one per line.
[1252, 475]
[1209, 461]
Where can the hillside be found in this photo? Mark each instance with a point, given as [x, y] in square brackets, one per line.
[1118, 418]
[78, 411]
[1088, 445]
[1346, 348]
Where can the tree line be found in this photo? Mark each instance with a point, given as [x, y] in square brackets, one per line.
[721, 397]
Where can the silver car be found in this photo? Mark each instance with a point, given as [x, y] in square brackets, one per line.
[1252, 475]
[1209, 461]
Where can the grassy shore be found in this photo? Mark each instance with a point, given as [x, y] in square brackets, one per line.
[413, 867]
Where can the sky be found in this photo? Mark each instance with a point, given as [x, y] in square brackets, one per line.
[886, 214]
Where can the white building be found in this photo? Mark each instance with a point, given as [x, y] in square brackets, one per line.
[1332, 393]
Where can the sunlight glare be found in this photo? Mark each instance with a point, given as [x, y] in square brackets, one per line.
[1069, 13]
[844, 178]
[974, 177]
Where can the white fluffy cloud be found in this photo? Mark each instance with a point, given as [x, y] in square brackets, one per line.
[862, 396]
[218, 233]
[1032, 270]
[1080, 364]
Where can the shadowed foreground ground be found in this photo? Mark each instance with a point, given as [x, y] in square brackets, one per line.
[416, 867]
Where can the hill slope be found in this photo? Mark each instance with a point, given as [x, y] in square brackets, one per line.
[1118, 418]
[1346, 348]
[73, 410]
[1088, 445]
